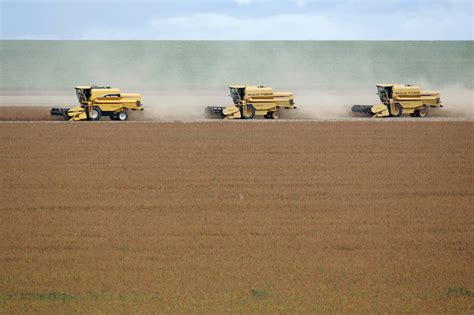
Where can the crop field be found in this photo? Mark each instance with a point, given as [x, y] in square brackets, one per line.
[241, 217]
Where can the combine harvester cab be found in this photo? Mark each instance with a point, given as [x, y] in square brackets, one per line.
[98, 101]
[250, 101]
[397, 99]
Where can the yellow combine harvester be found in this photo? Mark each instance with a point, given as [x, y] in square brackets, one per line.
[397, 99]
[251, 101]
[98, 101]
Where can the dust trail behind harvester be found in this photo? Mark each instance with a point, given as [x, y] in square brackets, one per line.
[458, 101]
[181, 104]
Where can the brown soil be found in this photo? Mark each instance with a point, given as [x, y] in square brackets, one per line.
[352, 217]
[25, 113]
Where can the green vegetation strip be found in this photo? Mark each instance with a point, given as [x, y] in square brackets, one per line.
[260, 294]
[101, 296]
[93, 296]
[461, 292]
[51, 296]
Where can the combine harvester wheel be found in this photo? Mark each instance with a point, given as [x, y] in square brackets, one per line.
[122, 116]
[249, 113]
[95, 114]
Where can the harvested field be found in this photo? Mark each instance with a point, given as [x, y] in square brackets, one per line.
[25, 113]
[350, 217]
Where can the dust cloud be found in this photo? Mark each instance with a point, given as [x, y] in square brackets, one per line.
[181, 105]
[457, 102]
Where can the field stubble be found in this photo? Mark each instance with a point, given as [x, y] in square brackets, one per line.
[302, 216]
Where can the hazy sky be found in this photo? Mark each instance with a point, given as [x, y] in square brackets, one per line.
[238, 19]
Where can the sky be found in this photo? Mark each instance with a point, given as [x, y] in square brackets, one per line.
[237, 19]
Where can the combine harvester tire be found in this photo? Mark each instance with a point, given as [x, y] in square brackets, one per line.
[96, 113]
[122, 116]
[249, 113]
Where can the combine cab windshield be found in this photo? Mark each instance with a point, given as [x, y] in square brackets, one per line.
[83, 95]
[236, 94]
[384, 92]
